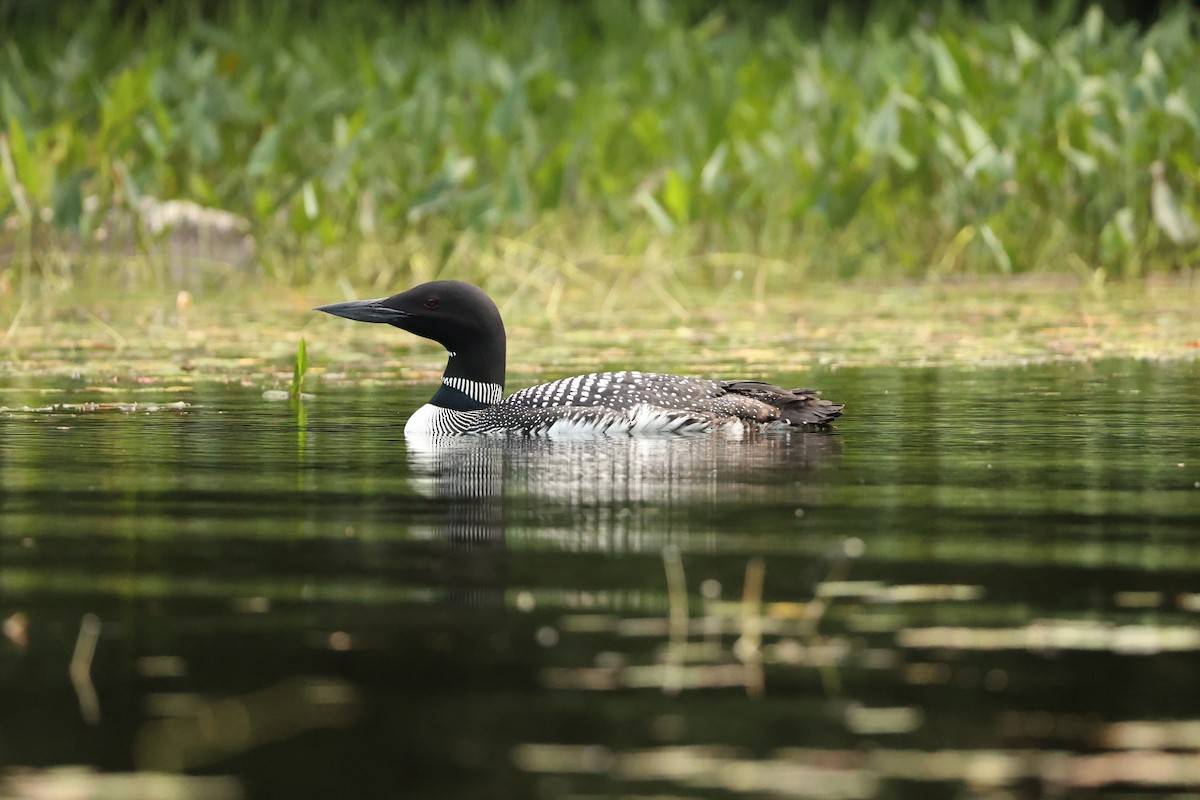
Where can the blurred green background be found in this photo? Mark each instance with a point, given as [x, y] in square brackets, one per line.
[390, 142]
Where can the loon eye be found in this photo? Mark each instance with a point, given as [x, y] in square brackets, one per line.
[431, 303]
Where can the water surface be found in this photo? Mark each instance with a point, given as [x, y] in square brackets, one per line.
[981, 581]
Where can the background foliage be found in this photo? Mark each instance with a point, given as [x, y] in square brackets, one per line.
[897, 140]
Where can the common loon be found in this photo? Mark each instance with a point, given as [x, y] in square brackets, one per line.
[464, 320]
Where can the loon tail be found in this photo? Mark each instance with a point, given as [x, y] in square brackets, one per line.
[793, 406]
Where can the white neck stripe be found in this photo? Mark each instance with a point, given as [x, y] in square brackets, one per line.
[479, 391]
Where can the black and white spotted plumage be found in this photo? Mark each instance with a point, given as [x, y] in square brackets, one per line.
[463, 319]
[642, 402]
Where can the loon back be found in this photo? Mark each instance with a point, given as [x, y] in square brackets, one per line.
[466, 322]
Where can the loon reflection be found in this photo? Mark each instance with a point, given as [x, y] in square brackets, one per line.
[610, 494]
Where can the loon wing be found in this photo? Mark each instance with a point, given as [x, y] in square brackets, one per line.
[590, 420]
[755, 399]
[639, 401]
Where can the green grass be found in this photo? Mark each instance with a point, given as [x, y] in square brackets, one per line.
[542, 140]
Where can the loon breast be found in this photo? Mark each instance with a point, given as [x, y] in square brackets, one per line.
[433, 421]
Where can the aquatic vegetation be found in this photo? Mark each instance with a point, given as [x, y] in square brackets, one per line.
[299, 371]
[230, 337]
[542, 140]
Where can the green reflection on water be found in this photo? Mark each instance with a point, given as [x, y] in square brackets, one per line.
[1028, 545]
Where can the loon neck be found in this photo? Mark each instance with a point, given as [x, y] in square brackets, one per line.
[472, 381]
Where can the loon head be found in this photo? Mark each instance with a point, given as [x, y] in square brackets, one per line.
[456, 315]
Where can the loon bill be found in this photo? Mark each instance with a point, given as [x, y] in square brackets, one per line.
[464, 320]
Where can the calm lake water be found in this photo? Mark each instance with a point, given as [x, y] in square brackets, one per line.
[982, 583]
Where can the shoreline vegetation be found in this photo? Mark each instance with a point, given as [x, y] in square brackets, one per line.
[121, 341]
[692, 185]
[197, 145]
